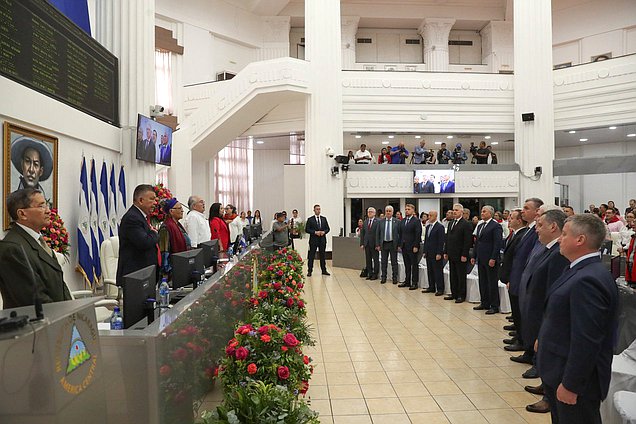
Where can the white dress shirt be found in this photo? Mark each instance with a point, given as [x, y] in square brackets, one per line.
[363, 157]
[197, 227]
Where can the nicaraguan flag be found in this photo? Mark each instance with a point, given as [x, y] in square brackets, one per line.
[84, 244]
[102, 207]
[113, 219]
[94, 211]
[121, 196]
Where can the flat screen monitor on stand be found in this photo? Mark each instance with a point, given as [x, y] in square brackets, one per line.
[187, 268]
[140, 289]
[210, 253]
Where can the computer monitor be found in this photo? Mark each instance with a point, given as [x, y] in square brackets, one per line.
[252, 232]
[187, 268]
[210, 252]
[139, 295]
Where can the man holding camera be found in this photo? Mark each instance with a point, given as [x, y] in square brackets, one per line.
[459, 155]
[399, 154]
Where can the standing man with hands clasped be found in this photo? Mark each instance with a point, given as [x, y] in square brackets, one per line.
[459, 239]
[433, 250]
[574, 348]
[487, 248]
[317, 227]
[411, 236]
[367, 242]
[387, 241]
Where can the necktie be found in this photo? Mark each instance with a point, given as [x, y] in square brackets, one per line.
[388, 229]
[510, 236]
[318, 219]
[535, 255]
[428, 229]
[45, 246]
[156, 245]
[481, 227]
[370, 223]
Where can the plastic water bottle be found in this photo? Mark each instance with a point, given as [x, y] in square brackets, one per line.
[116, 321]
[164, 293]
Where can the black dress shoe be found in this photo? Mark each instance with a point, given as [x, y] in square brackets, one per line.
[368, 277]
[512, 333]
[510, 319]
[540, 407]
[413, 288]
[308, 273]
[373, 278]
[439, 293]
[511, 341]
[479, 308]
[395, 281]
[535, 390]
[404, 284]
[509, 327]
[516, 347]
[429, 290]
[531, 373]
[521, 359]
[325, 273]
[492, 311]
[449, 298]
[383, 281]
[459, 300]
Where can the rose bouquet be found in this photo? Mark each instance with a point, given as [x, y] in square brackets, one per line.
[162, 194]
[56, 235]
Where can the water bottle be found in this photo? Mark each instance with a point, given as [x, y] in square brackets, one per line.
[164, 293]
[116, 321]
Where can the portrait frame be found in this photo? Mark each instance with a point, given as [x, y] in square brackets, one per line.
[21, 139]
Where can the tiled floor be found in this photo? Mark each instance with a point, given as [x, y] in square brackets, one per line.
[390, 355]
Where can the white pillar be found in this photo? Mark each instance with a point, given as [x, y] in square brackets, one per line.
[496, 46]
[534, 140]
[127, 29]
[323, 111]
[275, 37]
[349, 28]
[435, 33]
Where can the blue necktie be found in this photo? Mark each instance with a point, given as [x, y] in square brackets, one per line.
[387, 231]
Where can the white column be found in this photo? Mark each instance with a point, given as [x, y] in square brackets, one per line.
[496, 46]
[275, 37]
[349, 28]
[323, 127]
[127, 29]
[534, 140]
[435, 32]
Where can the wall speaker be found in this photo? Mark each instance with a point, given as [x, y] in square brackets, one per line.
[525, 117]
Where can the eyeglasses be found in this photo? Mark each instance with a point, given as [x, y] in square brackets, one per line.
[43, 206]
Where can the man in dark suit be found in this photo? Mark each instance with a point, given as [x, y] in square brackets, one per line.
[387, 241]
[165, 150]
[410, 239]
[488, 248]
[138, 240]
[433, 251]
[447, 186]
[459, 239]
[317, 227]
[576, 337]
[518, 228]
[23, 248]
[367, 242]
[429, 185]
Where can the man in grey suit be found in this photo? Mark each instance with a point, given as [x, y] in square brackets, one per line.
[367, 242]
[387, 240]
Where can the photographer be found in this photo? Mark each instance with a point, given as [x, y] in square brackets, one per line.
[459, 155]
[444, 155]
[481, 154]
[473, 153]
[399, 154]
[421, 154]
[430, 159]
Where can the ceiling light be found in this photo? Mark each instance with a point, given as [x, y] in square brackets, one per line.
[612, 128]
[582, 139]
[631, 135]
[494, 143]
[260, 142]
[391, 136]
[449, 136]
[438, 142]
[571, 132]
[385, 142]
[418, 136]
[487, 137]
[358, 136]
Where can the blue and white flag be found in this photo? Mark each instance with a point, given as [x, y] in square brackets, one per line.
[84, 257]
[121, 196]
[94, 211]
[102, 206]
[113, 219]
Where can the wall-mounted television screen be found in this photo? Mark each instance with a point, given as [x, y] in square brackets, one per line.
[154, 141]
[433, 181]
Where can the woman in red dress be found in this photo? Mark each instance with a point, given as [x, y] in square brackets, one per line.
[218, 227]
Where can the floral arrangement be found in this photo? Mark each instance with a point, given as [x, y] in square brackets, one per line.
[162, 194]
[56, 235]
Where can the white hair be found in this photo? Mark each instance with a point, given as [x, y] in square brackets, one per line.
[388, 208]
[489, 209]
[459, 205]
[371, 209]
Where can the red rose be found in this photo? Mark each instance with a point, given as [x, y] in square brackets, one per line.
[283, 373]
[290, 302]
[290, 340]
[265, 338]
[304, 386]
[241, 353]
[262, 294]
[233, 342]
[165, 370]
[306, 359]
[252, 368]
[180, 354]
[230, 350]
[284, 348]
[263, 330]
[301, 304]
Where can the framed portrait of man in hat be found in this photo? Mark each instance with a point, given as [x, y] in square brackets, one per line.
[30, 161]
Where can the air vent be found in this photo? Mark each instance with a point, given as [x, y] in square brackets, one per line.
[412, 41]
[365, 40]
[460, 43]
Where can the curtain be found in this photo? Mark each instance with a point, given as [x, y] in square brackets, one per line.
[163, 80]
[233, 175]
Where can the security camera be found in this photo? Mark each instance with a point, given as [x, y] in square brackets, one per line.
[330, 152]
[156, 111]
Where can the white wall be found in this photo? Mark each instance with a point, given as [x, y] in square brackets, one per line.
[465, 54]
[388, 45]
[268, 183]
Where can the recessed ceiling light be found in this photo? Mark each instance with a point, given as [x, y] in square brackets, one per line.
[260, 142]
[494, 143]
[438, 142]
[358, 136]
[631, 135]
[571, 132]
[449, 136]
[418, 136]
[488, 138]
[385, 142]
[391, 136]
[582, 139]
[612, 128]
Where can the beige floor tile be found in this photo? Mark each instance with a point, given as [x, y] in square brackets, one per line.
[336, 378]
[390, 419]
[410, 389]
[319, 379]
[334, 367]
[474, 386]
[366, 366]
[402, 365]
[443, 388]
[385, 406]
[359, 347]
[429, 418]
[317, 392]
[518, 399]
[363, 356]
[490, 372]
[533, 418]
[334, 347]
[454, 403]
[389, 355]
[378, 391]
[347, 391]
[403, 376]
[326, 419]
[487, 401]
[351, 419]
[503, 416]
[505, 385]
[372, 377]
[466, 417]
[419, 404]
[349, 407]
[322, 406]
[336, 357]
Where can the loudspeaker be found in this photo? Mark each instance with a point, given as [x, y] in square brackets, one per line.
[525, 117]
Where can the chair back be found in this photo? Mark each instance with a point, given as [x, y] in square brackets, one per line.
[109, 256]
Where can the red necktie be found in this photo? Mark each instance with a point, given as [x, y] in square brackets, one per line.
[156, 245]
[370, 222]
